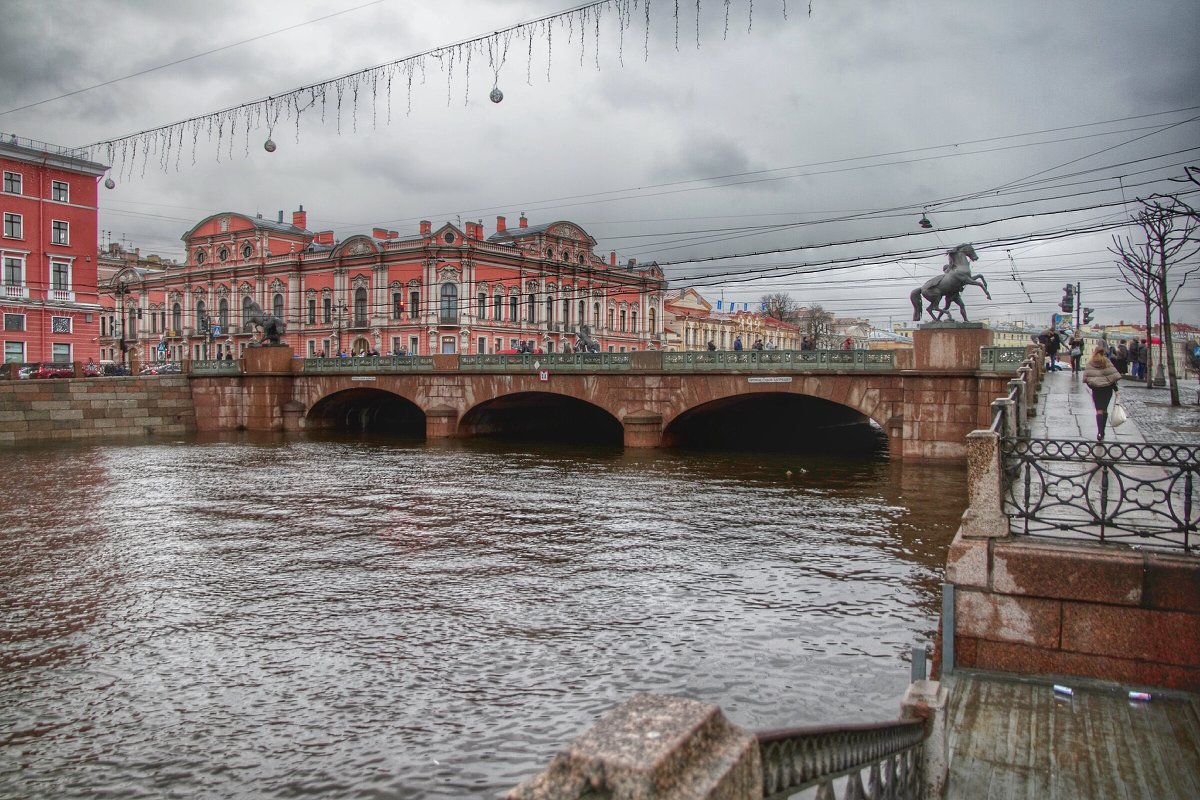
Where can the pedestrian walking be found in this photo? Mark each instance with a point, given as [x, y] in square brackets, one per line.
[1076, 345]
[1102, 378]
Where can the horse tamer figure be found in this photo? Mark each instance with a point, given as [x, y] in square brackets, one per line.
[272, 326]
[948, 286]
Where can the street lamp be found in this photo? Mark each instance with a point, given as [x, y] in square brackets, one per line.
[121, 292]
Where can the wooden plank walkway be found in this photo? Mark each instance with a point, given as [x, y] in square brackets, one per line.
[1011, 738]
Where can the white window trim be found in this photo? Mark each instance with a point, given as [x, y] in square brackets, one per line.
[20, 177]
[66, 186]
[20, 220]
[20, 290]
[54, 232]
[68, 294]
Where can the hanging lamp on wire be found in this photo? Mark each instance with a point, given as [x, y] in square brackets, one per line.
[924, 221]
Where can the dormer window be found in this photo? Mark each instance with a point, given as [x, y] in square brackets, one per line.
[448, 238]
[200, 256]
[247, 250]
[223, 254]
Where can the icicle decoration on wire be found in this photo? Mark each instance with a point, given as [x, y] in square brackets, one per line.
[237, 125]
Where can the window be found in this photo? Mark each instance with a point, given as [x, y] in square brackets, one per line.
[622, 320]
[360, 307]
[498, 308]
[449, 309]
[651, 318]
[60, 324]
[14, 351]
[176, 319]
[200, 256]
[633, 320]
[448, 238]
[60, 191]
[223, 254]
[414, 345]
[12, 182]
[14, 322]
[246, 303]
[12, 227]
[397, 305]
[481, 345]
[61, 353]
[532, 309]
[414, 305]
[14, 276]
[247, 250]
[277, 306]
[60, 278]
[566, 311]
[512, 308]
[582, 312]
[201, 315]
[611, 316]
[312, 311]
[326, 309]
[60, 232]
[596, 313]
[550, 309]
[223, 313]
[483, 304]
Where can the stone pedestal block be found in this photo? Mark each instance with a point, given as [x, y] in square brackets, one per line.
[654, 747]
[929, 701]
[268, 360]
[949, 345]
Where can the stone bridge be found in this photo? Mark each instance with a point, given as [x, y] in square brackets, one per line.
[926, 401]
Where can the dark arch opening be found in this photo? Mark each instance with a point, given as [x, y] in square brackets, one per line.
[777, 422]
[367, 411]
[541, 416]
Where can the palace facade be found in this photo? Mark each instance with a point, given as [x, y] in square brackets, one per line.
[449, 289]
[48, 251]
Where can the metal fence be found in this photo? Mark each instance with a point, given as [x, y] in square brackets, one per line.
[559, 362]
[769, 360]
[1141, 494]
[891, 754]
[362, 364]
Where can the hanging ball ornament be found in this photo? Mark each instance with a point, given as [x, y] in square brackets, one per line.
[496, 95]
[269, 145]
[109, 183]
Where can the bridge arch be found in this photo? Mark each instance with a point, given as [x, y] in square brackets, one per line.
[541, 415]
[775, 420]
[367, 410]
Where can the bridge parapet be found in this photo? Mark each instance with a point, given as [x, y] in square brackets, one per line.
[779, 360]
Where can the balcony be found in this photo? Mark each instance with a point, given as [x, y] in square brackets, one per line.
[62, 295]
[448, 319]
[16, 291]
[359, 324]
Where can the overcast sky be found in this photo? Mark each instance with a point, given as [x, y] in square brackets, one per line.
[698, 139]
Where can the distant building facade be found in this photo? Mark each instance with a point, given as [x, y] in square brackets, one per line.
[692, 323]
[49, 301]
[450, 289]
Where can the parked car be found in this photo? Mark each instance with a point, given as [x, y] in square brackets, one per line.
[92, 370]
[54, 371]
[26, 372]
[110, 369]
[162, 368]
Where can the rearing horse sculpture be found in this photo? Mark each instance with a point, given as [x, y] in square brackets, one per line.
[272, 326]
[948, 286]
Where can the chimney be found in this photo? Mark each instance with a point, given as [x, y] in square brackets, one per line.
[393, 234]
[632, 263]
[524, 222]
[300, 219]
[612, 258]
[426, 227]
[281, 216]
[379, 233]
[324, 237]
[500, 225]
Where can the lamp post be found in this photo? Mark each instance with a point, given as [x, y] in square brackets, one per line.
[339, 320]
[121, 292]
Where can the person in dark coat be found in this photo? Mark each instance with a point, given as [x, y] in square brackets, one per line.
[1102, 378]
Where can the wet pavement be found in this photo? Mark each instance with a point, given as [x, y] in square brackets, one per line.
[1065, 411]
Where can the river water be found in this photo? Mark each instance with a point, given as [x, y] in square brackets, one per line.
[265, 617]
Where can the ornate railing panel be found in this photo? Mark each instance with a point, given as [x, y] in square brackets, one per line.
[559, 362]
[362, 364]
[1145, 494]
[1001, 359]
[216, 366]
[891, 754]
[778, 360]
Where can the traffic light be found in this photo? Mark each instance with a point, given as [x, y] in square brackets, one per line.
[1087, 315]
[1068, 301]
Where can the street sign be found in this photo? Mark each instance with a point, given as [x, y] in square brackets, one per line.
[162, 347]
[544, 375]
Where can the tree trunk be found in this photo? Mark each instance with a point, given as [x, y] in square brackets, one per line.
[1148, 350]
[1164, 309]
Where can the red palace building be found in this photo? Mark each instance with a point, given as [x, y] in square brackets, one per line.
[451, 289]
[48, 248]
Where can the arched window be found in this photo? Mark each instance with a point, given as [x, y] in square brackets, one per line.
[449, 311]
[223, 313]
[622, 320]
[633, 320]
[583, 312]
[549, 309]
[532, 309]
[360, 306]
[397, 305]
[498, 307]
[483, 304]
[566, 307]
[549, 253]
[277, 306]
[246, 303]
[596, 314]
[201, 315]
[611, 317]
[513, 312]
[651, 319]
[176, 318]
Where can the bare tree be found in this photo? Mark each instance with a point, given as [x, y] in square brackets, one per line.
[817, 324]
[779, 305]
[1155, 269]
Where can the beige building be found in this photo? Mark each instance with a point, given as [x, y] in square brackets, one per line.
[690, 323]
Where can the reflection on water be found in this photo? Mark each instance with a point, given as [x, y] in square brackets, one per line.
[264, 617]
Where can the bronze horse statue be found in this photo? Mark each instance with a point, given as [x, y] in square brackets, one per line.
[948, 286]
[272, 326]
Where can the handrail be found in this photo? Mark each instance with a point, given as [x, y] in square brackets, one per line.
[892, 753]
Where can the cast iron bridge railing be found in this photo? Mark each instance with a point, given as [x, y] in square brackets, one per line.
[890, 753]
[1142, 494]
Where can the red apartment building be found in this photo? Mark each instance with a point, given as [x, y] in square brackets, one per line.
[450, 289]
[48, 249]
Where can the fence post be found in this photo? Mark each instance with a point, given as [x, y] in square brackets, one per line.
[929, 701]
[985, 515]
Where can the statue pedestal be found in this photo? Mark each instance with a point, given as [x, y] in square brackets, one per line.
[268, 360]
[949, 345]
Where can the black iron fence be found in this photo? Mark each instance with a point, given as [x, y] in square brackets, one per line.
[889, 755]
[1147, 494]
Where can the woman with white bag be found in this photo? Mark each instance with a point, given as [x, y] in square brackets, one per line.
[1102, 378]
